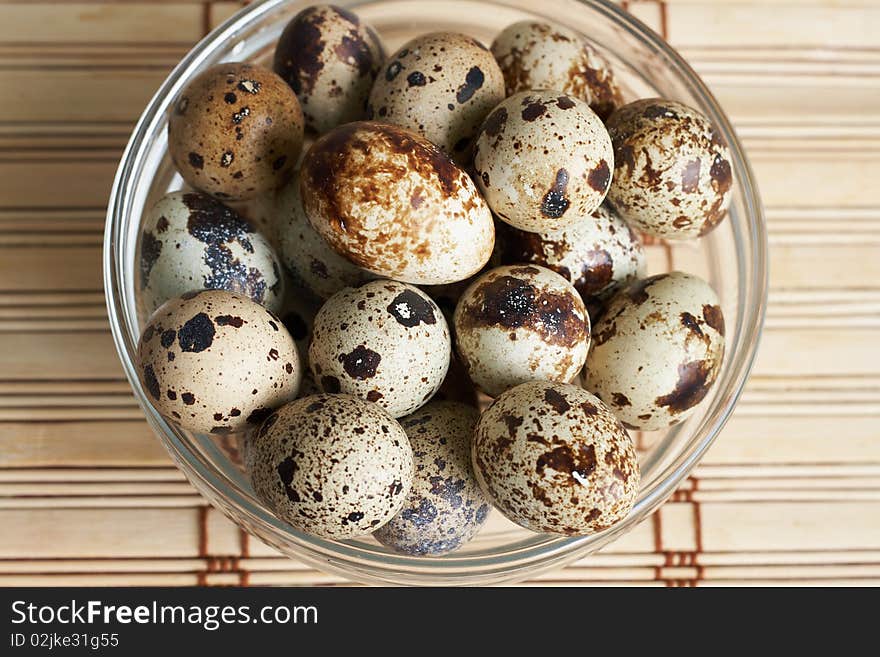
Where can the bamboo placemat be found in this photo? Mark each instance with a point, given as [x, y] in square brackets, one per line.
[790, 494]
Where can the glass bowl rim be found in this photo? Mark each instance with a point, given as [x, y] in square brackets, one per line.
[381, 567]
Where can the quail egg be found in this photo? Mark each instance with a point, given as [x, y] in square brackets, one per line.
[385, 342]
[552, 458]
[308, 257]
[331, 465]
[445, 507]
[543, 160]
[236, 131]
[657, 350]
[216, 362]
[191, 241]
[330, 58]
[393, 203]
[597, 255]
[521, 323]
[441, 85]
[535, 55]
[672, 171]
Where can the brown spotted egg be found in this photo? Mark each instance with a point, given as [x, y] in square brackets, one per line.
[391, 202]
[543, 160]
[236, 131]
[216, 362]
[307, 256]
[333, 466]
[441, 85]
[521, 323]
[191, 241]
[535, 55]
[330, 58]
[597, 255]
[445, 507]
[657, 350]
[386, 342]
[553, 458]
[672, 175]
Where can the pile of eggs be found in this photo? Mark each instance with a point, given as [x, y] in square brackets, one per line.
[464, 219]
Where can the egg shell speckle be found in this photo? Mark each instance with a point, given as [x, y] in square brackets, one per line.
[657, 350]
[445, 507]
[307, 256]
[236, 131]
[543, 160]
[520, 323]
[552, 458]
[441, 85]
[672, 175]
[331, 465]
[191, 241]
[216, 362]
[597, 255]
[535, 55]
[329, 57]
[394, 204]
[386, 342]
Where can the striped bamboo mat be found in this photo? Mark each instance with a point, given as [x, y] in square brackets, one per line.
[789, 494]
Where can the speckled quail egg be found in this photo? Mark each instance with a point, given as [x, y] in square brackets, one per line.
[191, 241]
[441, 85]
[535, 55]
[543, 160]
[216, 362]
[521, 323]
[331, 465]
[657, 350]
[672, 172]
[385, 342]
[445, 507]
[553, 458]
[391, 202]
[330, 58]
[307, 256]
[597, 255]
[236, 131]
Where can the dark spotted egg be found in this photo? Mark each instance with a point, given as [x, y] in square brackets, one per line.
[657, 350]
[391, 202]
[236, 131]
[330, 58]
[441, 85]
[597, 255]
[535, 55]
[543, 160]
[191, 241]
[216, 362]
[445, 507]
[672, 171]
[386, 342]
[333, 466]
[520, 323]
[307, 256]
[552, 458]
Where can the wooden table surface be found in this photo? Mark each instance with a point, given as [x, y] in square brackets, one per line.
[789, 494]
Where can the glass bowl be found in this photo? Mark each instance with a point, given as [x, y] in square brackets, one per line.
[732, 259]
